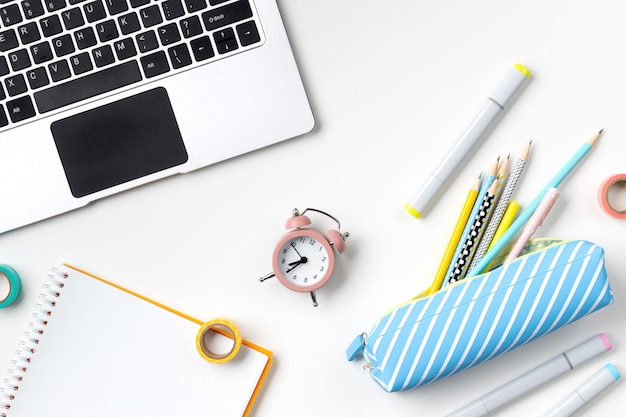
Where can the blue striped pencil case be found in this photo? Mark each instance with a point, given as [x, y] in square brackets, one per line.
[552, 283]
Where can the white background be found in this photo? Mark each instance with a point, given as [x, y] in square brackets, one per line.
[392, 85]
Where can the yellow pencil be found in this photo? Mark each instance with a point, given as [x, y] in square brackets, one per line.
[456, 236]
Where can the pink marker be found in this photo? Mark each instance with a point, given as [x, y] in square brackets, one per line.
[536, 220]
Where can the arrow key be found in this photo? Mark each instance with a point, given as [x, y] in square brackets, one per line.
[202, 48]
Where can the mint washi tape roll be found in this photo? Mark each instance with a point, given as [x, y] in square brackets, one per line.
[15, 285]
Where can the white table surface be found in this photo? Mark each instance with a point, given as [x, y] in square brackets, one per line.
[392, 85]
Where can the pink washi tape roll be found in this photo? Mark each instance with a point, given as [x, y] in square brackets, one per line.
[611, 183]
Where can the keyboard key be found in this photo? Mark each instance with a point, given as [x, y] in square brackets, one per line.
[55, 5]
[41, 52]
[172, 9]
[37, 78]
[248, 33]
[195, 5]
[8, 40]
[201, 48]
[168, 34]
[4, 67]
[191, 26]
[151, 16]
[10, 15]
[103, 56]
[107, 30]
[128, 23]
[147, 41]
[225, 40]
[19, 59]
[85, 37]
[72, 18]
[179, 56]
[223, 35]
[32, 8]
[81, 63]
[125, 48]
[63, 45]
[155, 64]
[59, 70]
[3, 117]
[226, 15]
[138, 3]
[91, 85]
[216, 2]
[51, 25]
[20, 109]
[29, 33]
[15, 85]
[116, 6]
[94, 11]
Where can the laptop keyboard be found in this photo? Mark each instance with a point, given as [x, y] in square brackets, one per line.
[59, 53]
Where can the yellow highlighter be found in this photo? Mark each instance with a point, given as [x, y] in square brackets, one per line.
[507, 219]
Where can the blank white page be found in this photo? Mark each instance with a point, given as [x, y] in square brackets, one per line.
[107, 352]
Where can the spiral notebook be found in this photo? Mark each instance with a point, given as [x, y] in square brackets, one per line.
[95, 349]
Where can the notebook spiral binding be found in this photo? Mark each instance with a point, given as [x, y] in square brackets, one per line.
[18, 367]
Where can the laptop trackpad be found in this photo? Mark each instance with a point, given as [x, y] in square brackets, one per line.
[119, 142]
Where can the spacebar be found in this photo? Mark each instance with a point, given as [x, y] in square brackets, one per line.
[89, 86]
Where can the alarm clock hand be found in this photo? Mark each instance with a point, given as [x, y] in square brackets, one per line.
[293, 265]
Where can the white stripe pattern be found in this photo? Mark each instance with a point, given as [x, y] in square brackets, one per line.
[468, 323]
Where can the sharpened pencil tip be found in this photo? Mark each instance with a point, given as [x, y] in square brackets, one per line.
[595, 137]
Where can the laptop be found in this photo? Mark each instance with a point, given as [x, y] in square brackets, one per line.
[101, 96]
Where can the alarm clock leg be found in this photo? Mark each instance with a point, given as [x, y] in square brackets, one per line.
[314, 298]
[268, 276]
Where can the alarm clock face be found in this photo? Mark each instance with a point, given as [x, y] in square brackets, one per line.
[303, 260]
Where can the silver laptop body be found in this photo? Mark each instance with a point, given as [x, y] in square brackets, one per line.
[206, 81]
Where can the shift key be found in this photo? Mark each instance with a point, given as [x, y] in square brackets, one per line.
[227, 15]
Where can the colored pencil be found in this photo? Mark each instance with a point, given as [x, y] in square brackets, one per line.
[456, 235]
[502, 205]
[525, 215]
[486, 183]
[475, 234]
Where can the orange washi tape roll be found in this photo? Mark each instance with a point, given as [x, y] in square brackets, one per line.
[612, 182]
[222, 326]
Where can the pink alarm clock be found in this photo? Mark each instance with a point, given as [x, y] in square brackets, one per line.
[304, 258]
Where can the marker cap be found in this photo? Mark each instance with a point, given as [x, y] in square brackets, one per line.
[592, 347]
[598, 382]
[589, 389]
[509, 86]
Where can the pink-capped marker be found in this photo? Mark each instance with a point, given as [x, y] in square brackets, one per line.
[532, 379]
[536, 220]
